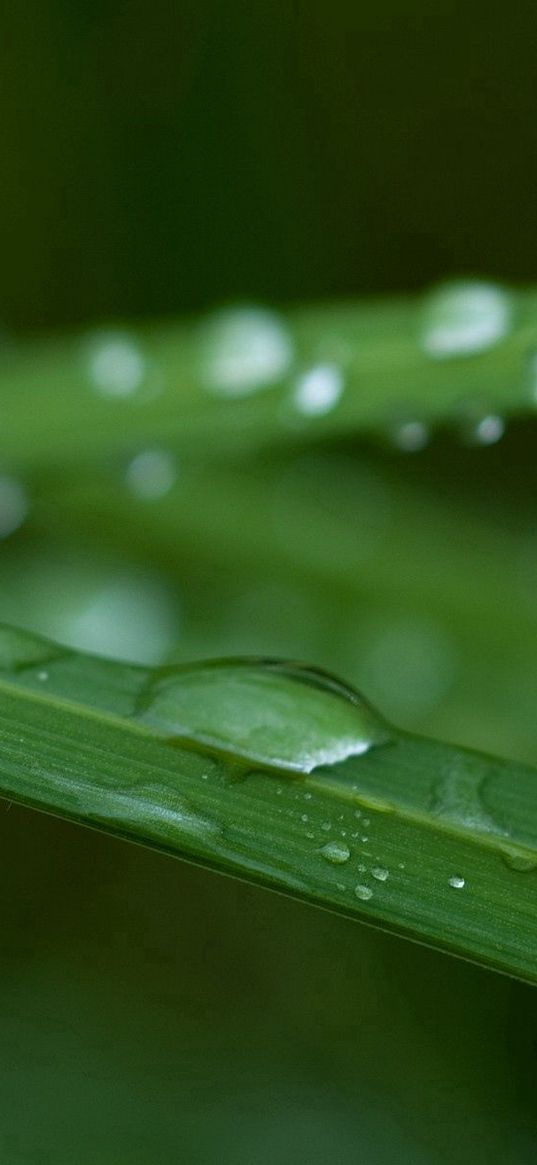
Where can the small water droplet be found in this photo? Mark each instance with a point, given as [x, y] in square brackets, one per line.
[464, 318]
[244, 350]
[363, 892]
[357, 812]
[116, 365]
[273, 714]
[151, 474]
[307, 796]
[326, 825]
[13, 505]
[318, 390]
[336, 852]
[365, 838]
[341, 887]
[310, 835]
[380, 873]
[362, 869]
[366, 822]
[457, 882]
[42, 676]
[304, 818]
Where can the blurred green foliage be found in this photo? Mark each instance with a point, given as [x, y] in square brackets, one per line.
[159, 157]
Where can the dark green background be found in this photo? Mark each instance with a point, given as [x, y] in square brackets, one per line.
[162, 156]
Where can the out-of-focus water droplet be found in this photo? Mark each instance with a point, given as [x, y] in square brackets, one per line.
[408, 664]
[151, 474]
[464, 318]
[456, 882]
[272, 713]
[42, 676]
[380, 873]
[307, 796]
[318, 390]
[488, 430]
[480, 424]
[523, 863]
[118, 611]
[116, 365]
[336, 852]
[410, 436]
[364, 893]
[13, 505]
[243, 350]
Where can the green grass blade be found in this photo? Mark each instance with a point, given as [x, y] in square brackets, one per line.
[417, 837]
[341, 550]
[383, 365]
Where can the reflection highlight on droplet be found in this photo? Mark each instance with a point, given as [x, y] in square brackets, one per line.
[318, 390]
[465, 317]
[116, 366]
[243, 350]
[273, 714]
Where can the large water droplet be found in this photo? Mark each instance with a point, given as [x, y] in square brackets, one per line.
[318, 390]
[116, 365]
[464, 318]
[272, 714]
[336, 852]
[243, 350]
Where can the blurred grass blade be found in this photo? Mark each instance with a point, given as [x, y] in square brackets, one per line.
[421, 838]
[247, 377]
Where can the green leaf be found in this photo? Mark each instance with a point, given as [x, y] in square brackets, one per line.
[417, 837]
[246, 377]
